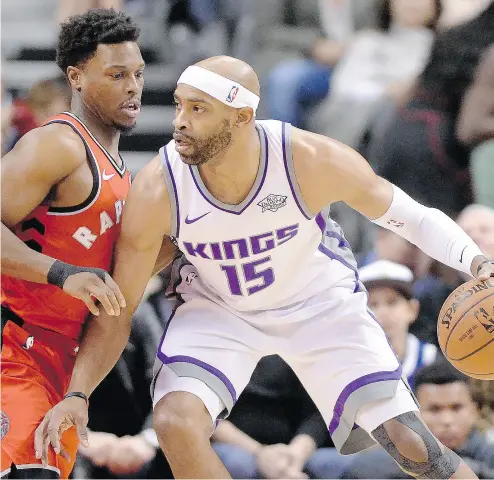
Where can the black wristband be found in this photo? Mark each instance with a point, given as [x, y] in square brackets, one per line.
[483, 263]
[60, 271]
[77, 394]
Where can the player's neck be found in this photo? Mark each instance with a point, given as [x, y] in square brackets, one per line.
[106, 135]
[229, 177]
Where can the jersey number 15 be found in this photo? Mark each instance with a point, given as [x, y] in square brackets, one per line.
[250, 273]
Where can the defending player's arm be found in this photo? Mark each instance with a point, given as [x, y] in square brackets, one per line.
[40, 160]
[328, 172]
[145, 223]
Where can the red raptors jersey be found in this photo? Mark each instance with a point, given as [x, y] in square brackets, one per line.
[83, 235]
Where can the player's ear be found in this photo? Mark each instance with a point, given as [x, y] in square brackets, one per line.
[74, 77]
[244, 116]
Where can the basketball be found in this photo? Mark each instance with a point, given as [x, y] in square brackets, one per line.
[465, 329]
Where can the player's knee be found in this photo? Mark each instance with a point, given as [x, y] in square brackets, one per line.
[180, 415]
[406, 441]
[415, 449]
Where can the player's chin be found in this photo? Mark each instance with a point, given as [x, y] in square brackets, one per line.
[125, 127]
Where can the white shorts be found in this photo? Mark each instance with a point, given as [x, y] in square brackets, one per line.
[331, 341]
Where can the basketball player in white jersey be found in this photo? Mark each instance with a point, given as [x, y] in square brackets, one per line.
[265, 272]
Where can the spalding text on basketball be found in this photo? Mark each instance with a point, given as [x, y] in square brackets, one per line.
[463, 295]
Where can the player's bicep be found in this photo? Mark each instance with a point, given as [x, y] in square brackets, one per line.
[329, 171]
[145, 222]
[41, 159]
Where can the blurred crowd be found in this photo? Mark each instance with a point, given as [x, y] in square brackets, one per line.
[410, 85]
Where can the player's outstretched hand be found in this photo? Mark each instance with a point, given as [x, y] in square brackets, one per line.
[87, 286]
[65, 414]
[485, 270]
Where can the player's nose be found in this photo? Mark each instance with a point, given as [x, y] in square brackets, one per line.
[134, 86]
[180, 122]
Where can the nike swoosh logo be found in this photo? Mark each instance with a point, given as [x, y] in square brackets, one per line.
[192, 220]
[461, 256]
[107, 177]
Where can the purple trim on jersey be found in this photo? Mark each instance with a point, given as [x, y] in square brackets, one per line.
[205, 366]
[186, 359]
[174, 188]
[288, 176]
[343, 242]
[321, 223]
[322, 248]
[355, 385]
[266, 156]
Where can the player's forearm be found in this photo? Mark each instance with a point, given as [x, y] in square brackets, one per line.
[433, 232]
[100, 349]
[20, 261]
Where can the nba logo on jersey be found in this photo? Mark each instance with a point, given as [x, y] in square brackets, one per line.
[232, 94]
[272, 202]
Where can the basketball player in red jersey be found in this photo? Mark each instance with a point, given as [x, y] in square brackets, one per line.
[63, 190]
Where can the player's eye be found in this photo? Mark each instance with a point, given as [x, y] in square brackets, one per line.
[198, 109]
[117, 76]
[139, 74]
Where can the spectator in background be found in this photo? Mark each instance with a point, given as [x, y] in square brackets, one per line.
[275, 430]
[475, 128]
[378, 64]
[225, 27]
[295, 85]
[483, 394]
[419, 150]
[67, 8]
[6, 119]
[478, 222]
[44, 99]
[390, 288]
[450, 412]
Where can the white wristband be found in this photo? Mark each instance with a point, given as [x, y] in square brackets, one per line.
[431, 230]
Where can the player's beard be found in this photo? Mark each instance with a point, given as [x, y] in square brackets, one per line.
[204, 149]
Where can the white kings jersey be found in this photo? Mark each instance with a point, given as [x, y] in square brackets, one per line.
[267, 252]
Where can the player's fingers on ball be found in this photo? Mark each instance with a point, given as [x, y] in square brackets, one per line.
[88, 300]
[116, 290]
[484, 275]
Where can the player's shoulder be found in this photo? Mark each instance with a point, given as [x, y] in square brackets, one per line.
[149, 184]
[53, 144]
[313, 150]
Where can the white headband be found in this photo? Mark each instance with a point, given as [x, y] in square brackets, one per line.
[226, 91]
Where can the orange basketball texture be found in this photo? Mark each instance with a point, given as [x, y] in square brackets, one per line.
[465, 329]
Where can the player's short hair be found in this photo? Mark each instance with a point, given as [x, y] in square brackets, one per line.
[440, 372]
[80, 35]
